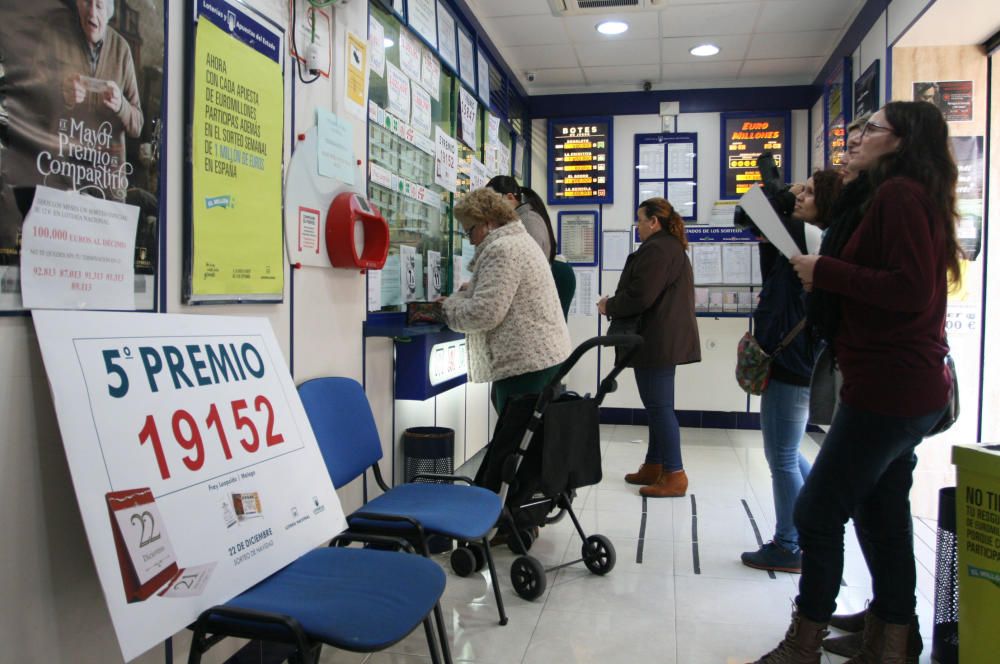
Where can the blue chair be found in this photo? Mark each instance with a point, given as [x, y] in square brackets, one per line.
[361, 600]
[342, 420]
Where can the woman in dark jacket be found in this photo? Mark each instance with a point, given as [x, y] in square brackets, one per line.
[890, 284]
[658, 283]
[784, 406]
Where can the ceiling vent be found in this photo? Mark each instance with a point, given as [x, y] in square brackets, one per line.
[579, 7]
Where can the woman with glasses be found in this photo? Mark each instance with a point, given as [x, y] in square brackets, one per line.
[515, 331]
[889, 285]
[657, 284]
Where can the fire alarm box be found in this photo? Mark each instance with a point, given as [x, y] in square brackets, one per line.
[357, 235]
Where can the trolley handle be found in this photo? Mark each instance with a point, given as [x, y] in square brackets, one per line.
[628, 342]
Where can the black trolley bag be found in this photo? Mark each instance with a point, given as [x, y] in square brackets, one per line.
[544, 447]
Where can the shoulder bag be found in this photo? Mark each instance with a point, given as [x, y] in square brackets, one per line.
[753, 365]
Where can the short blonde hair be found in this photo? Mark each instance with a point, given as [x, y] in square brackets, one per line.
[483, 206]
[859, 122]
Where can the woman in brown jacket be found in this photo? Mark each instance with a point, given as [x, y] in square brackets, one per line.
[658, 283]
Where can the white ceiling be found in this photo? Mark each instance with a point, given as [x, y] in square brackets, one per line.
[762, 42]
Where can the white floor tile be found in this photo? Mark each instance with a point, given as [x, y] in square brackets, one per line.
[572, 638]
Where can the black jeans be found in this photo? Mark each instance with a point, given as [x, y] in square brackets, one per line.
[865, 470]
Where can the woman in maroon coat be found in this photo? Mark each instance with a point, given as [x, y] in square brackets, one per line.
[887, 278]
[658, 283]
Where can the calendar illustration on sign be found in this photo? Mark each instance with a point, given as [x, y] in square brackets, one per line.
[145, 555]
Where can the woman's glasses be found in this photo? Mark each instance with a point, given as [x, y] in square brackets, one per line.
[872, 126]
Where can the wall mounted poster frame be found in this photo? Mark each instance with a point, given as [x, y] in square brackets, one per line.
[83, 146]
[582, 147]
[837, 113]
[577, 236]
[666, 165]
[866, 91]
[234, 248]
[744, 137]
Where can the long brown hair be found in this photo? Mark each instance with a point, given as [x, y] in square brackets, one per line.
[826, 189]
[924, 155]
[664, 212]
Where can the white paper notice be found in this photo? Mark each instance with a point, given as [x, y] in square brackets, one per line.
[374, 290]
[755, 276]
[585, 298]
[484, 77]
[408, 272]
[421, 18]
[680, 160]
[616, 249]
[430, 74]
[446, 36]
[492, 129]
[707, 263]
[503, 159]
[78, 252]
[409, 55]
[479, 176]
[445, 160]
[682, 196]
[466, 59]
[421, 113]
[650, 190]
[650, 165]
[469, 109]
[755, 204]
[399, 92]
[376, 46]
[433, 275]
[736, 263]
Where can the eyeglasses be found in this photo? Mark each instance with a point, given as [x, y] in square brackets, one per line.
[875, 126]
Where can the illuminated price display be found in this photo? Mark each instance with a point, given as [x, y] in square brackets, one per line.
[580, 159]
[744, 139]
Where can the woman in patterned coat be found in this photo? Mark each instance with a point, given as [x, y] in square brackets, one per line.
[515, 330]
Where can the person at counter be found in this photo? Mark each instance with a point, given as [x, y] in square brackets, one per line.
[516, 334]
[517, 197]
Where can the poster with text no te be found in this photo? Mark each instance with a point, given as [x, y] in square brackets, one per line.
[235, 242]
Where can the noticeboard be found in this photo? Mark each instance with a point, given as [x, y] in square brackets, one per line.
[745, 136]
[580, 159]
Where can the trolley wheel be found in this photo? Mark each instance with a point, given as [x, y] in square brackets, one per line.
[463, 561]
[528, 577]
[479, 551]
[598, 554]
[527, 536]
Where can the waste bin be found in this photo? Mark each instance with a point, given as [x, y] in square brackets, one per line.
[978, 536]
[429, 450]
[945, 639]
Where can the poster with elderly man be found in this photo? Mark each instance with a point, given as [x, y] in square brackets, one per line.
[81, 88]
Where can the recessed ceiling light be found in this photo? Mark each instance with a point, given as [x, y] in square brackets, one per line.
[705, 50]
[612, 27]
[388, 43]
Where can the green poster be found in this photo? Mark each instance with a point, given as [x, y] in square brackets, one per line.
[237, 132]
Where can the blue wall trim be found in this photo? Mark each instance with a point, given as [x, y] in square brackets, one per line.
[692, 101]
[862, 25]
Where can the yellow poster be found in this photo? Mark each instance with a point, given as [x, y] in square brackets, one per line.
[357, 74]
[236, 170]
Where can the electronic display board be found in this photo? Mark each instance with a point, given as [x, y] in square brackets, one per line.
[744, 138]
[580, 168]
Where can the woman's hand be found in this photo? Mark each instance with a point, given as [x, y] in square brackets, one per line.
[602, 306]
[805, 267]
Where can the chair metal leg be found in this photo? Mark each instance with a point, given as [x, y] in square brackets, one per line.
[431, 641]
[443, 633]
[495, 580]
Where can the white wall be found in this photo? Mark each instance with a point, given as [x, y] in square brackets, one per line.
[708, 385]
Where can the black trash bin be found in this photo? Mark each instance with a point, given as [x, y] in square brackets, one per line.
[945, 641]
[429, 450]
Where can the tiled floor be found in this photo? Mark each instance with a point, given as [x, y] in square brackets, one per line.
[660, 610]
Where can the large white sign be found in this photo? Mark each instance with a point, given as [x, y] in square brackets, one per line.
[194, 465]
[78, 252]
[445, 160]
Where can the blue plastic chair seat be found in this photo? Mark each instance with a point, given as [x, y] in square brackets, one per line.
[457, 511]
[355, 599]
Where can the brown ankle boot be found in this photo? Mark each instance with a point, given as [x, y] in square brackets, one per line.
[800, 645]
[885, 643]
[849, 645]
[647, 474]
[849, 622]
[669, 485]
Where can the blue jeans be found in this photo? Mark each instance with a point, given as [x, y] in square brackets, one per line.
[784, 409]
[865, 470]
[656, 389]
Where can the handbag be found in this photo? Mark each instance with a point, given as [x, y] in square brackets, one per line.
[951, 413]
[753, 364]
[824, 388]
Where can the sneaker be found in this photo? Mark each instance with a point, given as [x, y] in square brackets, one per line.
[775, 558]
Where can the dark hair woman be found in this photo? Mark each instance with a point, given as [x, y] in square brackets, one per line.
[890, 279]
[530, 209]
[784, 405]
[658, 283]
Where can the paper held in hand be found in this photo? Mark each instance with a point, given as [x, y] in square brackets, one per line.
[756, 205]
